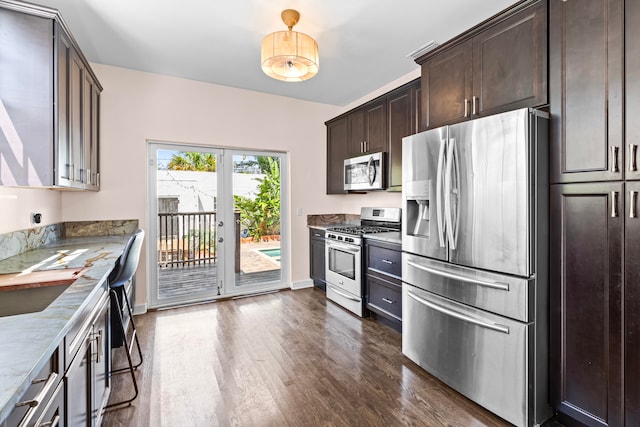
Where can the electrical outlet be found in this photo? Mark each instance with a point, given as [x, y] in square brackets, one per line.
[299, 211]
[36, 218]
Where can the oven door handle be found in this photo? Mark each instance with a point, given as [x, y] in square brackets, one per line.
[346, 248]
[493, 326]
[344, 295]
[493, 285]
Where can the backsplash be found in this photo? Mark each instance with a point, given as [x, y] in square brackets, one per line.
[16, 242]
[330, 219]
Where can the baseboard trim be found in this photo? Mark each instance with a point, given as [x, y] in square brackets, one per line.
[302, 284]
[139, 309]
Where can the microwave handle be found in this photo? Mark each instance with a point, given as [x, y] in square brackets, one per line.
[372, 170]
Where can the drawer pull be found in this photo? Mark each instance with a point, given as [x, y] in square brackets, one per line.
[494, 285]
[53, 423]
[388, 301]
[386, 261]
[493, 326]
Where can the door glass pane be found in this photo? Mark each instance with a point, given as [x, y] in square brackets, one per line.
[187, 197]
[256, 195]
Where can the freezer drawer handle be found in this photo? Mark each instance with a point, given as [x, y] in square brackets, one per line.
[493, 326]
[344, 295]
[493, 285]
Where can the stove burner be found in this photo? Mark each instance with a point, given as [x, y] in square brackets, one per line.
[359, 229]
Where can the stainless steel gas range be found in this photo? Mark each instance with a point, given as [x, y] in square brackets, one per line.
[344, 253]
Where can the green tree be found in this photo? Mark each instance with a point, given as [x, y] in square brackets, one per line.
[193, 161]
[261, 215]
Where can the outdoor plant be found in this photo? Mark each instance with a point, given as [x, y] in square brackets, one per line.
[261, 215]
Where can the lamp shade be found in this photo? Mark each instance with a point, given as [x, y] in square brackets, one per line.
[289, 55]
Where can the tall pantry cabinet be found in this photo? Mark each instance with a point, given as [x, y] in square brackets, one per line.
[594, 76]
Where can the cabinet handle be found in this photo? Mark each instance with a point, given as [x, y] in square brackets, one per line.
[466, 107]
[614, 204]
[633, 152]
[633, 195]
[386, 261]
[99, 353]
[388, 301]
[89, 180]
[32, 403]
[53, 423]
[98, 179]
[473, 105]
[366, 146]
[614, 160]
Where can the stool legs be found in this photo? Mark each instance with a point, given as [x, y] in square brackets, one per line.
[128, 346]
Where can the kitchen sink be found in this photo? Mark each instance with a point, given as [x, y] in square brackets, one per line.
[29, 300]
[30, 292]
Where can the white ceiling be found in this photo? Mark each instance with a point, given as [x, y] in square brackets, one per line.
[363, 44]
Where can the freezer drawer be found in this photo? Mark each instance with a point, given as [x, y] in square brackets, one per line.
[481, 355]
[498, 293]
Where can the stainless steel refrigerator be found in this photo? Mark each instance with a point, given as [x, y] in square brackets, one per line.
[474, 266]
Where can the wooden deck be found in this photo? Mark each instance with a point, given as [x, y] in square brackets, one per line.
[175, 282]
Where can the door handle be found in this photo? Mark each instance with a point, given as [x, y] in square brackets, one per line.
[633, 153]
[493, 285]
[614, 204]
[493, 326]
[439, 200]
[452, 233]
[614, 160]
[633, 195]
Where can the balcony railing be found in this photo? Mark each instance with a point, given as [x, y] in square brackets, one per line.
[190, 238]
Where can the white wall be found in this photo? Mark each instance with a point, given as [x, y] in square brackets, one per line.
[137, 107]
[17, 204]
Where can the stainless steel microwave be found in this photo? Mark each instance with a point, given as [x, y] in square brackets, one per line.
[364, 173]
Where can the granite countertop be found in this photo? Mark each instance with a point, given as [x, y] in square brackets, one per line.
[28, 340]
[390, 236]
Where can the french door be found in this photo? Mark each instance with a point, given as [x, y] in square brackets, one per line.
[216, 226]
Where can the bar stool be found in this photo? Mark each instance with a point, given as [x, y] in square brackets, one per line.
[121, 275]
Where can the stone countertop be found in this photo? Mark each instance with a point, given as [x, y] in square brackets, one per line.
[28, 340]
[390, 237]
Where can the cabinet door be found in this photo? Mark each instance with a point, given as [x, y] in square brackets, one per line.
[76, 83]
[64, 154]
[632, 88]
[337, 136]
[447, 86]
[585, 78]
[376, 127]
[400, 125]
[95, 137]
[585, 285]
[90, 94]
[418, 124]
[510, 63]
[101, 361]
[317, 261]
[26, 99]
[632, 303]
[357, 133]
[77, 383]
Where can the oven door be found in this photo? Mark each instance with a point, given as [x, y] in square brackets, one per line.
[343, 267]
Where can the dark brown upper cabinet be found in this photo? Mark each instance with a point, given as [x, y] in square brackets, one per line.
[499, 65]
[367, 129]
[586, 90]
[337, 139]
[632, 88]
[403, 104]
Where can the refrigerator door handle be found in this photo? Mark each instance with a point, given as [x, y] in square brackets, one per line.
[483, 324]
[439, 200]
[493, 285]
[452, 162]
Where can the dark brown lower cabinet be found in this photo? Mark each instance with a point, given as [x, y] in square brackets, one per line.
[317, 257]
[383, 281]
[586, 289]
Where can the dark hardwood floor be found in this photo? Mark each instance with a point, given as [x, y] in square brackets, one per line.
[289, 358]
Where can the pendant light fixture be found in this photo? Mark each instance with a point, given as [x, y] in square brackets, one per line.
[289, 55]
